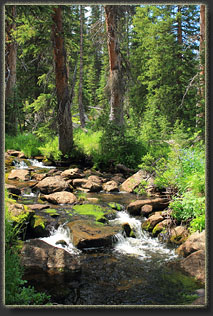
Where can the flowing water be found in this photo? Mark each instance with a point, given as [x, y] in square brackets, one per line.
[134, 271]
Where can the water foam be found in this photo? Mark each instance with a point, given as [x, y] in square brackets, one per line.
[143, 246]
[62, 233]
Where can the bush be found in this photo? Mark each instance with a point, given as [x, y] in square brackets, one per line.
[188, 207]
[117, 145]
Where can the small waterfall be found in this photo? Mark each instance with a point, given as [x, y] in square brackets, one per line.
[36, 163]
[143, 245]
[20, 165]
[60, 238]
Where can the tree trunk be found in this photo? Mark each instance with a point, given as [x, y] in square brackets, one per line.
[10, 65]
[80, 99]
[115, 78]
[179, 20]
[62, 92]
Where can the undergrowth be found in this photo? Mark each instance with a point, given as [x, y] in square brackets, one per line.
[17, 292]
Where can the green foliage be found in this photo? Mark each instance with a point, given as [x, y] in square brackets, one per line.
[16, 291]
[50, 149]
[28, 143]
[117, 145]
[189, 207]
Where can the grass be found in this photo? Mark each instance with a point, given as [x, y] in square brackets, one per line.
[27, 143]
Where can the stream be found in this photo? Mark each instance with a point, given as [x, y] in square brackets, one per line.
[135, 271]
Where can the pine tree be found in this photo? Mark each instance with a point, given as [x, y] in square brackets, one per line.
[63, 110]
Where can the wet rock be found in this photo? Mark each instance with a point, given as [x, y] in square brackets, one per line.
[146, 210]
[16, 153]
[164, 225]
[38, 206]
[87, 234]
[178, 235]
[157, 204]
[132, 182]
[63, 197]
[52, 184]
[37, 254]
[72, 173]
[128, 230]
[194, 264]
[16, 209]
[194, 242]
[13, 189]
[96, 179]
[116, 206]
[118, 178]
[79, 182]
[39, 176]
[61, 242]
[153, 220]
[19, 174]
[91, 186]
[110, 186]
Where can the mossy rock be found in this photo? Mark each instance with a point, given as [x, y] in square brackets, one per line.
[52, 212]
[38, 227]
[99, 213]
[146, 226]
[116, 206]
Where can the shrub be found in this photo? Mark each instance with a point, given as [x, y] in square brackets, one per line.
[118, 145]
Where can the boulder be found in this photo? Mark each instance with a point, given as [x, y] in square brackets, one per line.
[13, 189]
[118, 178]
[19, 174]
[91, 186]
[96, 179]
[72, 173]
[194, 242]
[37, 254]
[110, 186]
[38, 206]
[52, 184]
[62, 197]
[153, 220]
[158, 204]
[146, 209]
[87, 234]
[16, 153]
[39, 176]
[164, 225]
[132, 182]
[194, 264]
[178, 235]
[79, 182]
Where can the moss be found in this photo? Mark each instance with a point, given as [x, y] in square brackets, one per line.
[90, 210]
[116, 206]
[39, 221]
[157, 229]
[146, 225]
[51, 212]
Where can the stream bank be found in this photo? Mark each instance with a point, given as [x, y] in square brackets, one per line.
[120, 263]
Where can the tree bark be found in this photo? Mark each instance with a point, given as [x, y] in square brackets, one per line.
[80, 94]
[115, 77]
[10, 65]
[64, 108]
